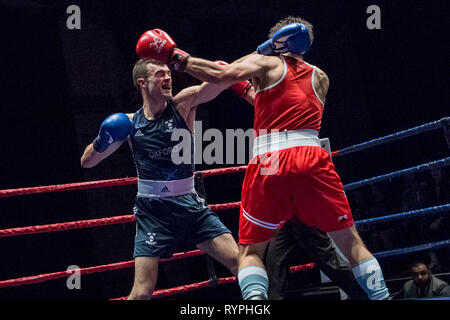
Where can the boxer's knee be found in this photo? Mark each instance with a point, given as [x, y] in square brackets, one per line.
[351, 245]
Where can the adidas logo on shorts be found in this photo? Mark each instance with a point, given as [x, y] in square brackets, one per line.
[165, 189]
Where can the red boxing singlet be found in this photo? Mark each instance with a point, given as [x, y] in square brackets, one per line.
[291, 103]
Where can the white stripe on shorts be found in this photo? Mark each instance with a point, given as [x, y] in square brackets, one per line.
[263, 224]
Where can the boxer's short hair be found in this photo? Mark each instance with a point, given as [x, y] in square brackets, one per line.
[291, 19]
[140, 69]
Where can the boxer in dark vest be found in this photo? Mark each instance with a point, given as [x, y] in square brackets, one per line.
[168, 210]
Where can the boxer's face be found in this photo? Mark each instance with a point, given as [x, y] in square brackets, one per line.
[159, 81]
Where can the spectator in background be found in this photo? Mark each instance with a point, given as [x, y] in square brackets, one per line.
[423, 284]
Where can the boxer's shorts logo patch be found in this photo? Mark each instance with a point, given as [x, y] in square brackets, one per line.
[151, 239]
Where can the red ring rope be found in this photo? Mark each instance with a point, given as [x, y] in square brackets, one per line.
[88, 270]
[205, 284]
[102, 183]
[68, 187]
[92, 222]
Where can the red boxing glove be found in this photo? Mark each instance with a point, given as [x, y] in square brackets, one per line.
[155, 44]
[240, 88]
[158, 45]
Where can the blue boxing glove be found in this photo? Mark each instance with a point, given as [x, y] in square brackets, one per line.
[293, 38]
[114, 128]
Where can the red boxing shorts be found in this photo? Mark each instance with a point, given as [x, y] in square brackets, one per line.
[299, 181]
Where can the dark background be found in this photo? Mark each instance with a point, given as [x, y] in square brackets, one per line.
[59, 84]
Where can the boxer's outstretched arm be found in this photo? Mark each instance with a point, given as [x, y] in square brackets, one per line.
[251, 66]
[244, 57]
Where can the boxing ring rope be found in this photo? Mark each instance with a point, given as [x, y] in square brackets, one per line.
[214, 207]
[89, 270]
[91, 222]
[176, 256]
[68, 187]
[103, 183]
[443, 123]
[420, 168]
[403, 215]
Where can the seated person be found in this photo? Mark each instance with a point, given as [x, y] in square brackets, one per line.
[423, 284]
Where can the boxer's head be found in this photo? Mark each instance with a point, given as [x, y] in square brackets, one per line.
[291, 19]
[152, 77]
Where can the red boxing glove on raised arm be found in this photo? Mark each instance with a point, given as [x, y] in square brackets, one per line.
[240, 88]
[158, 45]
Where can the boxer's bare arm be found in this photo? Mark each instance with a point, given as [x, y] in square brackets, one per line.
[244, 57]
[321, 84]
[91, 158]
[188, 99]
[251, 66]
[264, 70]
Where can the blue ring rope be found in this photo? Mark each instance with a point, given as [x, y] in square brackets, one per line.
[422, 247]
[431, 165]
[403, 215]
[422, 167]
[395, 136]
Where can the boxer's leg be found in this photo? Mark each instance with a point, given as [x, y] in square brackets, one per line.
[265, 206]
[145, 277]
[252, 276]
[364, 265]
[224, 249]
[212, 237]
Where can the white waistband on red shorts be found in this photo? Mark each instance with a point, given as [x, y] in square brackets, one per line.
[285, 139]
[157, 189]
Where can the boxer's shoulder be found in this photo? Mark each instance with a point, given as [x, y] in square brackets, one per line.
[321, 76]
[266, 61]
